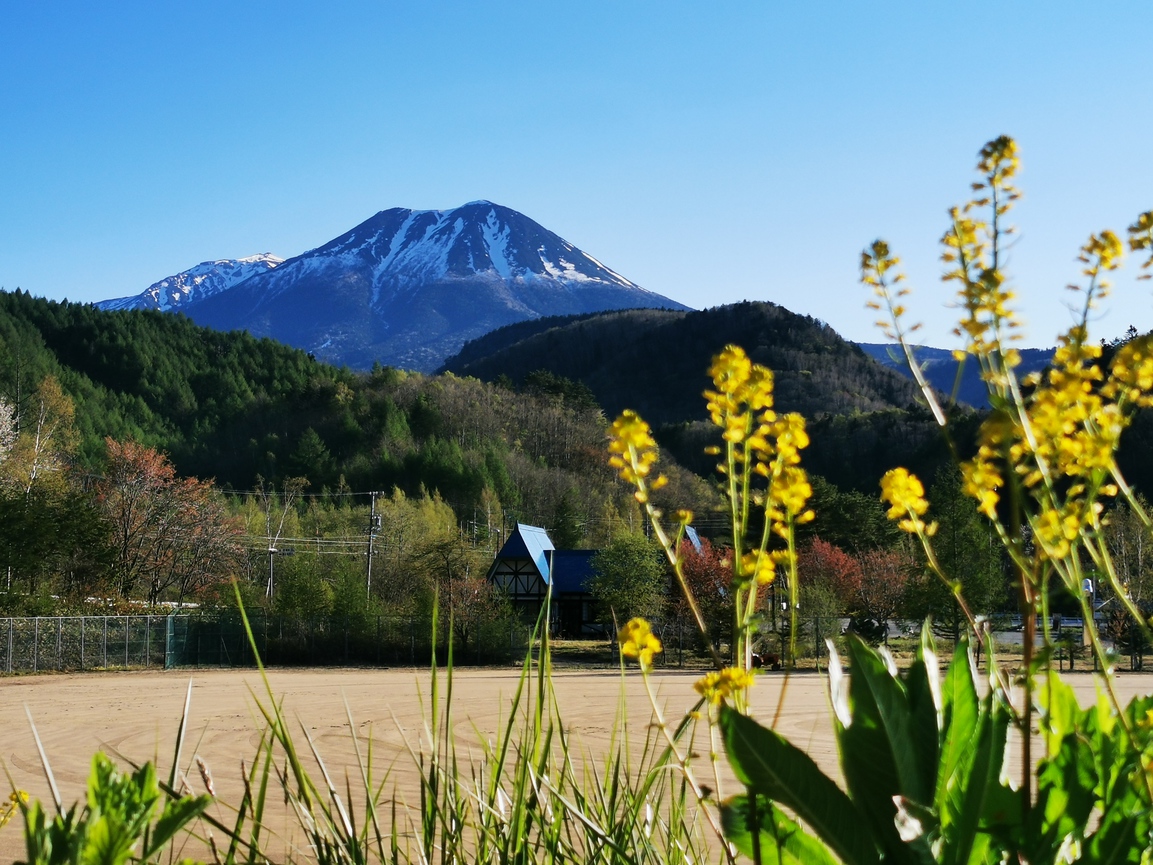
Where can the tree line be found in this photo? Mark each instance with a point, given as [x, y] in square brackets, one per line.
[145, 459]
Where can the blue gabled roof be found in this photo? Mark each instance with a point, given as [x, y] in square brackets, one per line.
[529, 542]
[572, 570]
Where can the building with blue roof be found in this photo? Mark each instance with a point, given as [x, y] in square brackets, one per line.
[528, 565]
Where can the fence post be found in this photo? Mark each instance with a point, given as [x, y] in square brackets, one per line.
[59, 643]
[105, 642]
[83, 666]
[148, 641]
[36, 645]
[11, 642]
[126, 629]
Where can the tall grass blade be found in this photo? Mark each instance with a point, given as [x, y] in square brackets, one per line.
[44, 763]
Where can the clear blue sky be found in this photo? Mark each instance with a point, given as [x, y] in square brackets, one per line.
[711, 152]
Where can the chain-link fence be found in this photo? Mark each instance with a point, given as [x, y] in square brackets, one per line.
[44, 644]
[683, 643]
[62, 643]
[41, 644]
[221, 640]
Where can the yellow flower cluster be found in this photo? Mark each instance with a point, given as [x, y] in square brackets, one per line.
[972, 256]
[905, 495]
[1141, 238]
[1075, 430]
[876, 262]
[11, 805]
[1131, 375]
[633, 452]
[1056, 437]
[720, 685]
[759, 439]
[760, 566]
[982, 481]
[637, 640]
[742, 397]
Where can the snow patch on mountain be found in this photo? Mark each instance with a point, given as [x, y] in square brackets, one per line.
[196, 283]
[496, 237]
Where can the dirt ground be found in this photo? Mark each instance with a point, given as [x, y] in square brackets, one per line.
[136, 715]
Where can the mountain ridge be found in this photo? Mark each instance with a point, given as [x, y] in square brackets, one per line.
[816, 370]
[407, 288]
[198, 282]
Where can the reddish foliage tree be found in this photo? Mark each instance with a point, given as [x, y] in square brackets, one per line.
[708, 574]
[830, 567]
[885, 576]
[171, 535]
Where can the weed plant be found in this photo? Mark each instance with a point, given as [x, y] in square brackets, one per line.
[924, 757]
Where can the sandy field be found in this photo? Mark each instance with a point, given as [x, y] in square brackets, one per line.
[136, 715]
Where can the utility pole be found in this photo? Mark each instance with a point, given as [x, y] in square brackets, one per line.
[373, 528]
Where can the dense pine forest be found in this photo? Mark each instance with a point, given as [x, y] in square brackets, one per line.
[144, 459]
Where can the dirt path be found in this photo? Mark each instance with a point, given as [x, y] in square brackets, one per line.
[136, 714]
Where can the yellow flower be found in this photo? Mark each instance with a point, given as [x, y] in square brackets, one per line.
[11, 805]
[906, 497]
[1146, 722]
[637, 640]
[1141, 238]
[1056, 529]
[758, 567]
[982, 482]
[731, 370]
[633, 452]
[718, 686]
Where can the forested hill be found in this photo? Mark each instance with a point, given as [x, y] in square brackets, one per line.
[232, 407]
[655, 361]
[155, 378]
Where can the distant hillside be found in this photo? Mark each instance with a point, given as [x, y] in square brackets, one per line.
[941, 368]
[656, 361]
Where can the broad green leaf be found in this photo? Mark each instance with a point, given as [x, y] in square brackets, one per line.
[1120, 838]
[923, 712]
[974, 785]
[960, 708]
[769, 765]
[1065, 798]
[175, 816]
[876, 754]
[1061, 713]
[106, 844]
[777, 833]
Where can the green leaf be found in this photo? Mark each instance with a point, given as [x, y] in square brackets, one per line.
[106, 843]
[960, 708]
[788, 841]
[974, 784]
[876, 757]
[924, 696]
[769, 765]
[1065, 798]
[175, 816]
[1061, 713]
[1117, 839]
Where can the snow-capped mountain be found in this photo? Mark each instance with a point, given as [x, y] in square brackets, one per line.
[206, 279]
[408, 288]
